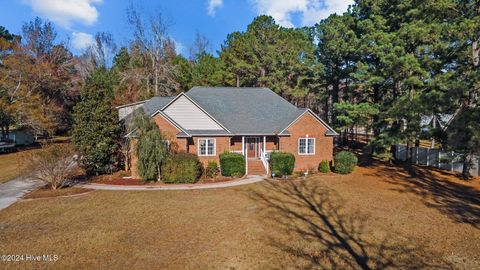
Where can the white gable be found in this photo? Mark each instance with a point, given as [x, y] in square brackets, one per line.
[189, 116]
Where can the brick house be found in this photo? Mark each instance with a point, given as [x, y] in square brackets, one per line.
[208, 121]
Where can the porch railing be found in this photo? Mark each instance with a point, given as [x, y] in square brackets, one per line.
[264, 159]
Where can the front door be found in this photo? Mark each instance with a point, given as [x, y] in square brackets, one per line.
[252, 147]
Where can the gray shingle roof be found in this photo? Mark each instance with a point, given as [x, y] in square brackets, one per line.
[149, 107]
[246, 110]
[156, 103]
[242, 110]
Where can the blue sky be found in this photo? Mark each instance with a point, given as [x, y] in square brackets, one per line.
[78, 20]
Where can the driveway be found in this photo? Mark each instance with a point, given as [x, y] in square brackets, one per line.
[12, 190]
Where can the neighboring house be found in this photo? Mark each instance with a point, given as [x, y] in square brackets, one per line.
[21, 136]
[125, 110]
[208, 121]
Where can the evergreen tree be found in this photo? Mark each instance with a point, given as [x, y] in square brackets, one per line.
[463, 81]
[96, 129]
[267, 55]
[207, 71]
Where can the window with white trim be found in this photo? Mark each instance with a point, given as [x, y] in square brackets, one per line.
[306, 146]
[206, 147]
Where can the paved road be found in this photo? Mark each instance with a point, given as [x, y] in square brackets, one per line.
[12, 190]
[248, 180]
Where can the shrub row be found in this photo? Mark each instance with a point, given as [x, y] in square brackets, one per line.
[186, 168]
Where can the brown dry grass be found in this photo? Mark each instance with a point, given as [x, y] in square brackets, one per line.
[11, 166]
[376, 218]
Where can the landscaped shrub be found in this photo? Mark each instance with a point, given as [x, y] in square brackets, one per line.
[212, 169]
[282, 163]
[53, 164]
[345, 162]
[181, 168]
[232, 164]
[324, 166]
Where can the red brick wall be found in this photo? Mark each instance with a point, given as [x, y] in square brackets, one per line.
[169, 131]
[222, 145]
[308, 124]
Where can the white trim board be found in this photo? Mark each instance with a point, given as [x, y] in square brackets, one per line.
[316, 117]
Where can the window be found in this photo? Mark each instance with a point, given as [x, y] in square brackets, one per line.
[206, 147]
[306, 146]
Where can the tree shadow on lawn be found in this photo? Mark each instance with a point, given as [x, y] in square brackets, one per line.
[308, 221]
[459, 202]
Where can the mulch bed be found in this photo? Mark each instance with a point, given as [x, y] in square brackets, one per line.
[139, 182]
[50, 193]
[122, 181]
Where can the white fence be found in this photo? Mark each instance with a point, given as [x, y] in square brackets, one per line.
[436, 158]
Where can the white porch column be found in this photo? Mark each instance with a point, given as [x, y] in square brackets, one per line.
[243, 145]
[265, 153]
[264, 144]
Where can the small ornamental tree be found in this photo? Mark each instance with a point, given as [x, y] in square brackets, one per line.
[96, 129]
[151, 148]
[53, 164]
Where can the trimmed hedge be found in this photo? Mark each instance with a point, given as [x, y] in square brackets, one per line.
[232, 164]
[345, 162]
[182, 168]
[324, 166]
[282, 163]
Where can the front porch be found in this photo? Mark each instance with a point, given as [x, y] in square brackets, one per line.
[256, 150]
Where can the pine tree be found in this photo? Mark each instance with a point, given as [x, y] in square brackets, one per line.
[96, 129]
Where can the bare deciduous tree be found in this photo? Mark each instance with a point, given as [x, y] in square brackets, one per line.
[53, 164]
[151, 38]
[200, 46]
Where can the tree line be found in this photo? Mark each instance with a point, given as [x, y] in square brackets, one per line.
[382, 66]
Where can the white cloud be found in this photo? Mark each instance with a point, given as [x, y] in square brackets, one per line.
[81, 41]
[65, 12]
[312, 11]
[323, 9]
[212, 5]
[179, 47]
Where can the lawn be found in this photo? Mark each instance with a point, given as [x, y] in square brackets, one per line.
[378, 217]
[10, 166]
[11, 163]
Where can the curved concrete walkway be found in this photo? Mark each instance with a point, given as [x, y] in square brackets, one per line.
[12, 190]
[244, 181]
